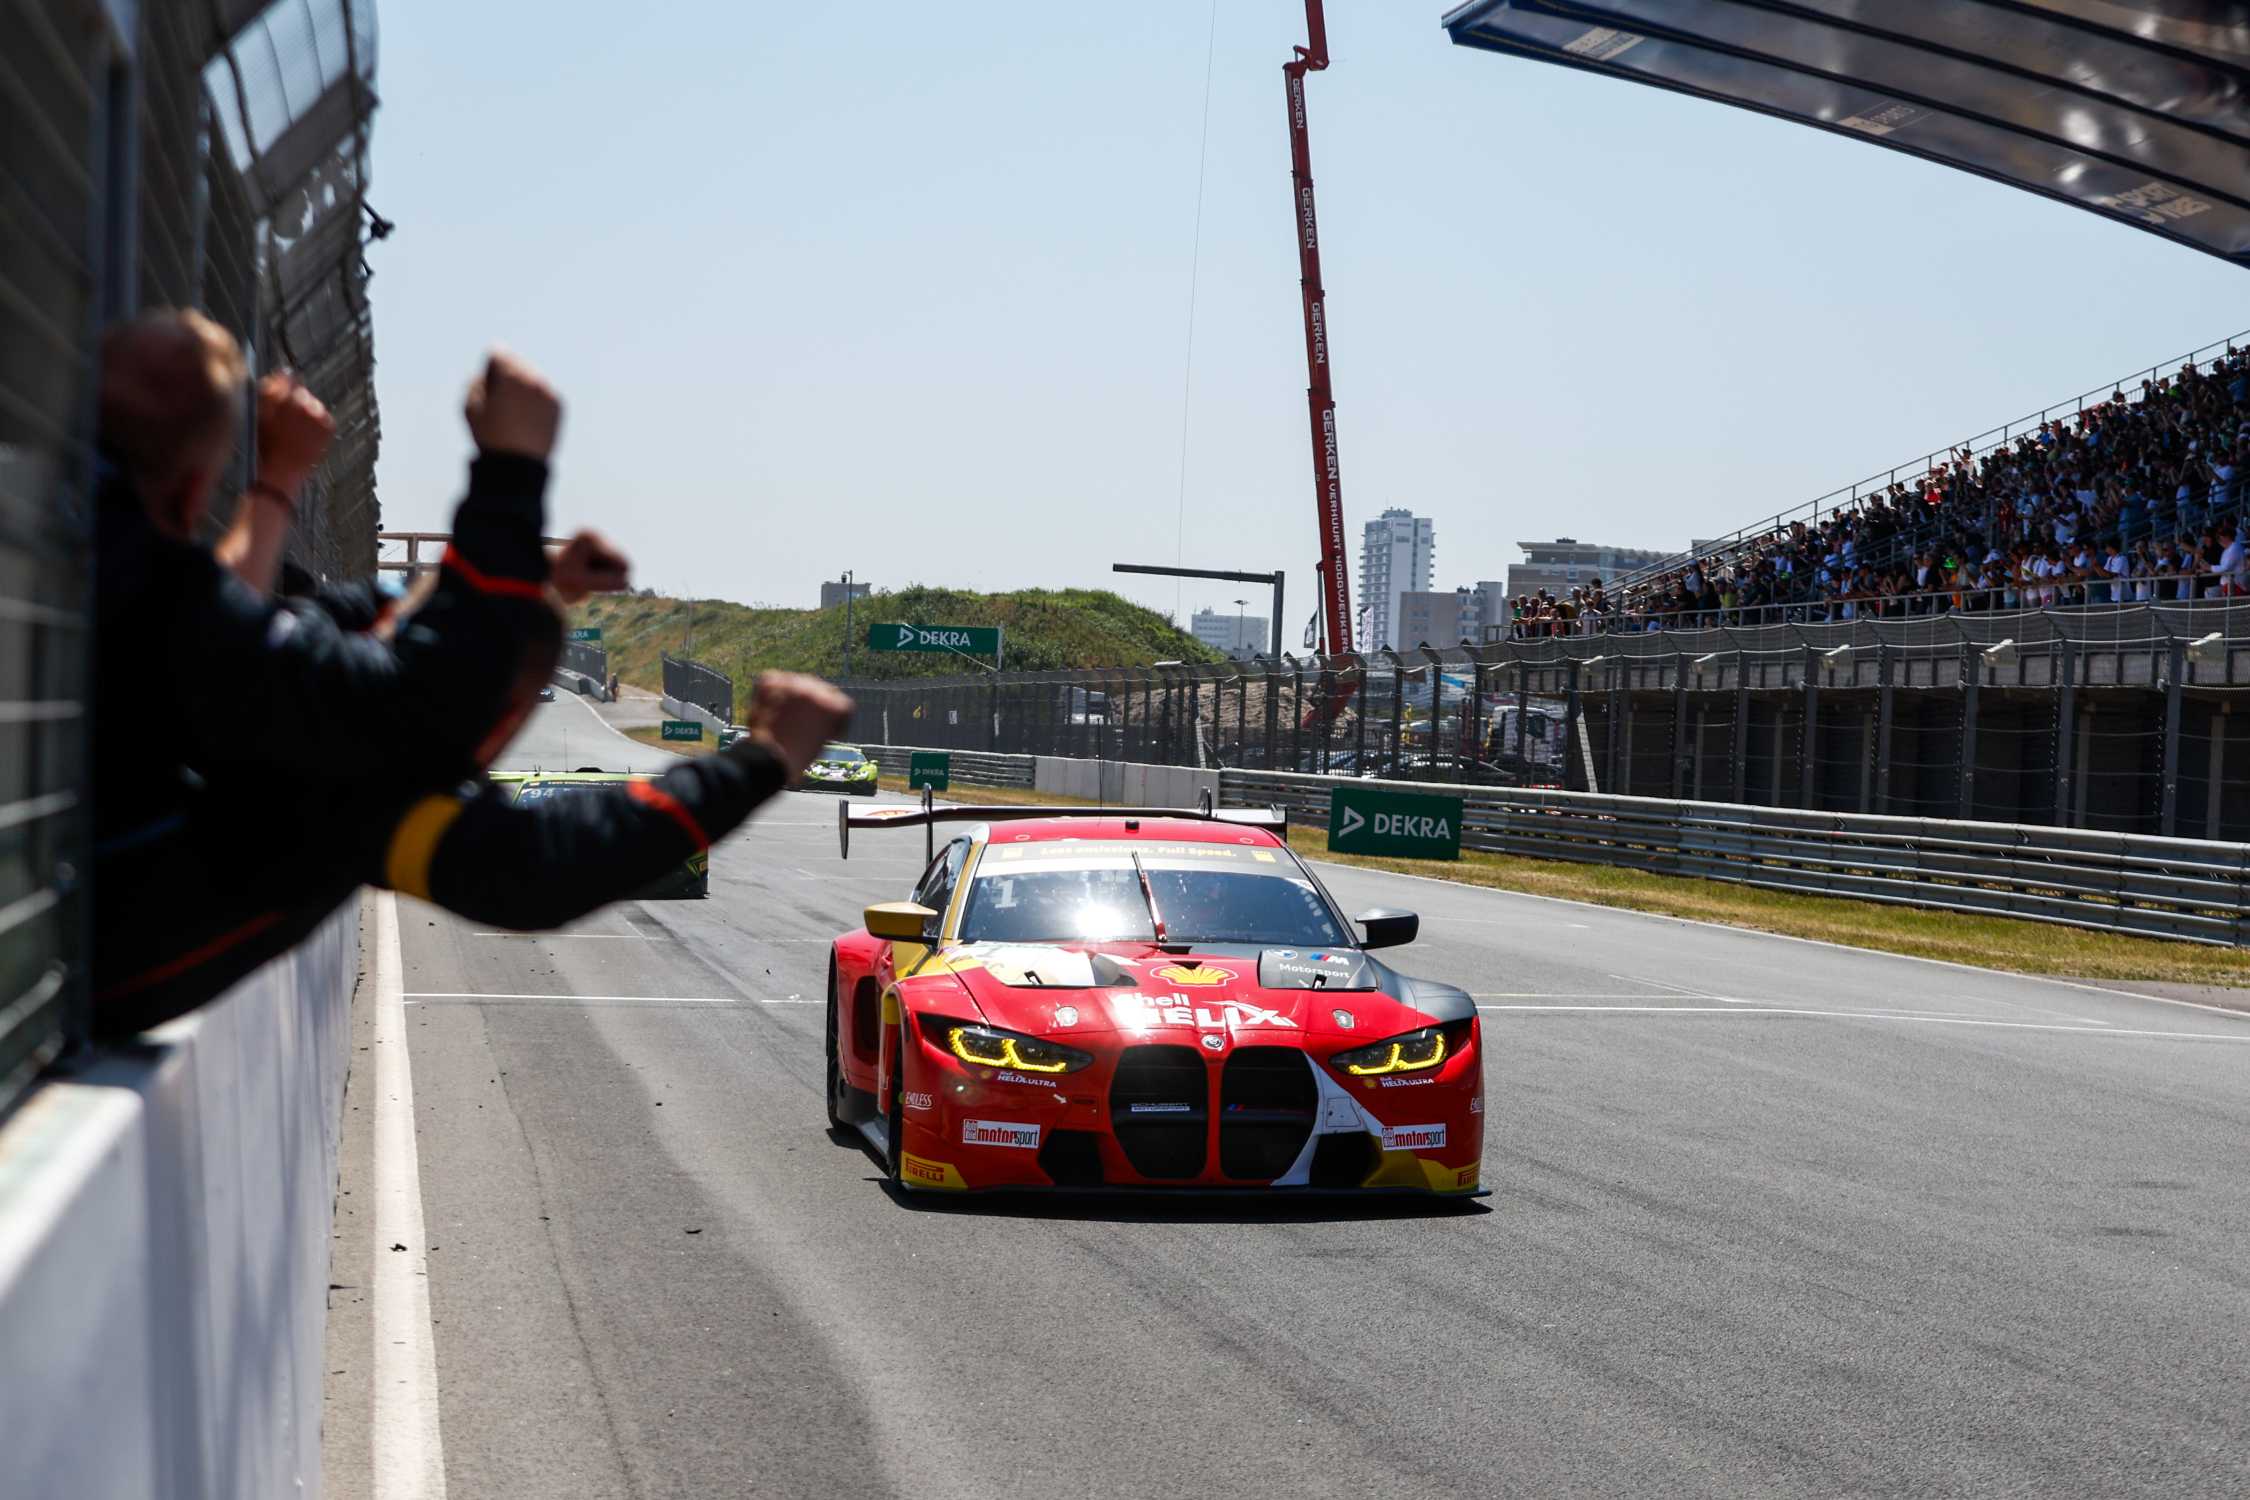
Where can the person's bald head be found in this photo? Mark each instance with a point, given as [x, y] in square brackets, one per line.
[171, 398]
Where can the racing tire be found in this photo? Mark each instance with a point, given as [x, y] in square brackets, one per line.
[836, 1085]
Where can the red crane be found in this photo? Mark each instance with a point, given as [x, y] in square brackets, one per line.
[1328, 482]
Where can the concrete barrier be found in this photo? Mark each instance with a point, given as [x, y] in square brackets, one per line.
[679, 708]
[164, 1226]
[584, 684]
[1125, 783]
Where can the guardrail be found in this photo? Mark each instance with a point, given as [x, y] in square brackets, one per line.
[2192, 889]
[2177, 888]
[969, 767]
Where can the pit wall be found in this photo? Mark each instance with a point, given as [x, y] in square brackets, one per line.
[164, 1228]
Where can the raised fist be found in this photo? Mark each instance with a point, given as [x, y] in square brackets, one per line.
[588, 564]
[794, 715]
[511, 409]
[293, 432]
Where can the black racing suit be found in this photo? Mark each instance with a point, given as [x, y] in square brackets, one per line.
[236, 737]
[537, 864]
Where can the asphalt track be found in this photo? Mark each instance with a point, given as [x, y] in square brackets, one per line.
[1769, 1217]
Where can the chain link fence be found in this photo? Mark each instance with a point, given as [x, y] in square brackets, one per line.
[211, 155]
[2121, 718]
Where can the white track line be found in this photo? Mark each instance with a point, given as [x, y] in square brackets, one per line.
[409, 1452]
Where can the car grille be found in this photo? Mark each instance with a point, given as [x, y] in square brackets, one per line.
[1159, 1110]
[1267, 1106]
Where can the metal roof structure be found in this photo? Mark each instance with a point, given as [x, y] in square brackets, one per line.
[2138, 110]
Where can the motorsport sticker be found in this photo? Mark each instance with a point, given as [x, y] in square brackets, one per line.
[1404, 1083]
[918, 1101]
[1003, 1133]
[1413, 1137]
[1037, 1083]
[1132, 1011]
[1476, 1104]
[1201, 976]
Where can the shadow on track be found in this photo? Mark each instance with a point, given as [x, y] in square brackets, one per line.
[1173, 1205]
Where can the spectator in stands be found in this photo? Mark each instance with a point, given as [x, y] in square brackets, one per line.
[2164, 465]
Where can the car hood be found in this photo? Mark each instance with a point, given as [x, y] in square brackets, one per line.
[1251, 994]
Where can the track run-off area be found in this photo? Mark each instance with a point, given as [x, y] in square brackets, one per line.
[1767, 1216]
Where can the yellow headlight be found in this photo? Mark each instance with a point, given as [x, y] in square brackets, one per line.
[1401, 1054]
[993, 1049]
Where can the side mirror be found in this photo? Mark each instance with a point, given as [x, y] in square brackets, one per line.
[1384, 928]
[901, 921]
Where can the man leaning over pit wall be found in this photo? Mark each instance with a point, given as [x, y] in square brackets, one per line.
[218, 713]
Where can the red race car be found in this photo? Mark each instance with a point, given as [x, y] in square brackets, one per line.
[1142, 998]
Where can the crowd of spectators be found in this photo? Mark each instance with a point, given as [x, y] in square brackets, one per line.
[2125, 502]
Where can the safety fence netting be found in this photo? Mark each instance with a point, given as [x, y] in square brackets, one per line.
[2121, 719]
[209, 155]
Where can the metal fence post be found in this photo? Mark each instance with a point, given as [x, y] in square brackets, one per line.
[2066, 731]
[1472, 729]
[1273, 707]
[1741, 747]
[1972, 676]
[1523, 709]
[1297, 716]
[1808, 775]
[1398, 710]
[1620, 730]
[1571, 752]
[2175, 668]
[1359, 722]
[1680, 750]
[1884, 695]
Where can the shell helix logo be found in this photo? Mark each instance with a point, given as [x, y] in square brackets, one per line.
[1197, 977]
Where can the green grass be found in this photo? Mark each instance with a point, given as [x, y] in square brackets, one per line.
[1046, 630]
[1986, 942]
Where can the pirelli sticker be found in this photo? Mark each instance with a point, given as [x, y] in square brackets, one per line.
[916, 1172]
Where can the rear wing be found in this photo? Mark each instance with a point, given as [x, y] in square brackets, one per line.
[929, 815]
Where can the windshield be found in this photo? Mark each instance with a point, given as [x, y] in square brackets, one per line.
[841, 752]
[1073, 891]
[540, 791]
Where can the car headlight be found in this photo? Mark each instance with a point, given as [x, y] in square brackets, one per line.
[989, 1047]
[865, 770]
[1401, 1054]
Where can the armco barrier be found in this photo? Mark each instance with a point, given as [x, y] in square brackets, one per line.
[164, 1230]
[2179, 888]
[970, 767]
[2194, 889]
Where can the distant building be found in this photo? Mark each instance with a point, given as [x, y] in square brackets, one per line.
[832, 593]
[1239, 636]
[1397, 556]
[1567, 563]
[1448, 618]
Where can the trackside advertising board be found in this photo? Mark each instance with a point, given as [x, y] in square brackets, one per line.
[974, 640]
[1397, 825]
[932, 769]
[683, 729]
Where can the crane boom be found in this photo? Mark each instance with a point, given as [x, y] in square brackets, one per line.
[1328, 481]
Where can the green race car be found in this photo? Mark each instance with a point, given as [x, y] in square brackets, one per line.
[690, 882]
[841, 768]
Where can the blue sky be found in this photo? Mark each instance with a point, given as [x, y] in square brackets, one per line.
[905, 290]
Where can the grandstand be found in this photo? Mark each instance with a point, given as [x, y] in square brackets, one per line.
[2136, 115]
[2134, 498]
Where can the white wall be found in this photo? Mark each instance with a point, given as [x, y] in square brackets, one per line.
[1123, 783]
[164, 1225]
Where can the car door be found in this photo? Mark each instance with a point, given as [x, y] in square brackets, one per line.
[935, 891]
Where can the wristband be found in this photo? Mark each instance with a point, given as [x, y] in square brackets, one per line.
[274, 493]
